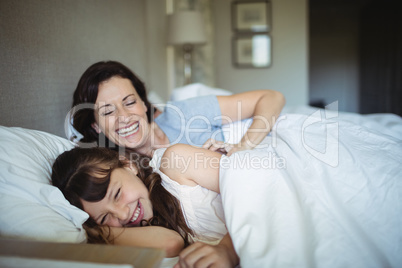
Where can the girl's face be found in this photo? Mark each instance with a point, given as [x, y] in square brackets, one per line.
[121, 114]
[126, 202]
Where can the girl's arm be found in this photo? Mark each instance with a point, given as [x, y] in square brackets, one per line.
[189, 165]
[193, 166]
[203, 255]
[264, 106]
[149, 236]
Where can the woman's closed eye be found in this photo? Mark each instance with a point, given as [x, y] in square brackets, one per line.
[131, 102]
[107, 110]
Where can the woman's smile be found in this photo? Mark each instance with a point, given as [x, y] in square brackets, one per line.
[129, 130]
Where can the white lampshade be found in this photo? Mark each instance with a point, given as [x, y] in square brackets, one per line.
[186, 27]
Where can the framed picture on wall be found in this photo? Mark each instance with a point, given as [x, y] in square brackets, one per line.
[251, 16]
[252, 51]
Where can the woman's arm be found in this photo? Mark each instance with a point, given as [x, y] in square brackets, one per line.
[264, 106]
[149, 236]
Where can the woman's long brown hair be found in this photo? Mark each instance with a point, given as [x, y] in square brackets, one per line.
[81, 174]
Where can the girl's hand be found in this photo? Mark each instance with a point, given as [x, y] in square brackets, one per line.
[204, 255]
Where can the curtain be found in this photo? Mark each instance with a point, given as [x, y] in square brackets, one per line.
[381, 58]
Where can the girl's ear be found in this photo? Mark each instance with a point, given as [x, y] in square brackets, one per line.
[96, 127]
[133, 168]
[128, 164]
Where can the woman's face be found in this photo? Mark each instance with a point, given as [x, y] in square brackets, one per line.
[121, 114]
[126, 202]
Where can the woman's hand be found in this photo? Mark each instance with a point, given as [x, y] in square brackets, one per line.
[204, 255]
[225, 148]
[263, 106]
[218, 146]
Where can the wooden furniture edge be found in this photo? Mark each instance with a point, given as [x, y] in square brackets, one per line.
[94, 253]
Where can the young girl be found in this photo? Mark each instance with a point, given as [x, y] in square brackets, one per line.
[182, 196]
[112, 109]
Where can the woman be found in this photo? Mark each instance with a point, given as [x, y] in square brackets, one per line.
[122, 115]
[118, 193]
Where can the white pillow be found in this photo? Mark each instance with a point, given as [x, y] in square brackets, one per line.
[30, 207]
[196, 90]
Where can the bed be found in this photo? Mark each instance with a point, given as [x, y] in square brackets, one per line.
[324, 189]
[327, 194]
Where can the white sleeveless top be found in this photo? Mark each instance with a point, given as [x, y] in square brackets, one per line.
[202, 208]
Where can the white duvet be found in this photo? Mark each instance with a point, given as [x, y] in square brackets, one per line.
[324, 192]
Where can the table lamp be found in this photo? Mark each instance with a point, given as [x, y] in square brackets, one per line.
[186, 28]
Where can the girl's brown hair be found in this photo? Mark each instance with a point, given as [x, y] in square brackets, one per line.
[82, 173]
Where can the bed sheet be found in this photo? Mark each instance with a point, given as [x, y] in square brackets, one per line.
[322, 191]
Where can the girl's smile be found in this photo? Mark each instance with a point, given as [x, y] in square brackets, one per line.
[126, 202]
[138, 215]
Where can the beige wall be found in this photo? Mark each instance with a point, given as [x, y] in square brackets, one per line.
[45, 46]
[289, 70]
